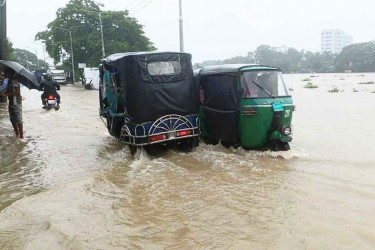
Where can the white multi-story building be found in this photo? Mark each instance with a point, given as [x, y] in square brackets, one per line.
[334, 40]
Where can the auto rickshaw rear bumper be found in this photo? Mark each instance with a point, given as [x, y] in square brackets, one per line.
[166, 129]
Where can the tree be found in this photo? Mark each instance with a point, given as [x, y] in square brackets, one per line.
[10, 51]
[267, 55]
[294, 60]
[359, 57]
[121, 33]
[28, 59]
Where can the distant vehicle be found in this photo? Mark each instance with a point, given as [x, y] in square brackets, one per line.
[149, 98]
[39, 74]
[59, 76]
[245, 105]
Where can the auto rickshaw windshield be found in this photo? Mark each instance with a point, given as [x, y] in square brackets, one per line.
[263, 84]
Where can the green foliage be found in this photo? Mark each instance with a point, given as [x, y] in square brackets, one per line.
[310, 85]
[28, 59]
[359, 57]
[121, 34]
[289, 60]
[306, 79]
[355, 90]
[335, 90]
[372, 82]
[10, 51]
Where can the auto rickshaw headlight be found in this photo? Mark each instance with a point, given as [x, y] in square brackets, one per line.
[286, 130]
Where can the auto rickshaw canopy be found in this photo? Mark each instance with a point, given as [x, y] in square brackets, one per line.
[154, 84]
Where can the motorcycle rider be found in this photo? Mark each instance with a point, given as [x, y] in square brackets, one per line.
[49, 86]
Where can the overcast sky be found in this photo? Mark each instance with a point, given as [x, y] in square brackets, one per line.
[215, 29]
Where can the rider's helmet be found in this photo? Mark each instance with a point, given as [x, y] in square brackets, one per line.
[47, 76]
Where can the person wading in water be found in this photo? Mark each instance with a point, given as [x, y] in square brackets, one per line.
[13, 93]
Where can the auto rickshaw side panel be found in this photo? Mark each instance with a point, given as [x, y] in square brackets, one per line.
[115, 102]
[220, 109]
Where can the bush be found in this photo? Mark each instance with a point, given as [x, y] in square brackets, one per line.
[335, 90]
[355, 90]
[310, 85]
[306, 79]
[372, 82]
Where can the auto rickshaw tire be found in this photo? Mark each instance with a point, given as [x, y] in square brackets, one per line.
[226, 144]
[196, 141]
[284, 146]
[279, 146]
[210, 141]
[186, 145]
[133, 149]
[156, 150]
[100, 99]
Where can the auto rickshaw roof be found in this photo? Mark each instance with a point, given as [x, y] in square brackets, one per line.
[119, 56]
[233, 68]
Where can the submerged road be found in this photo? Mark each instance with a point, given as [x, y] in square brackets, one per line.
[69, 185]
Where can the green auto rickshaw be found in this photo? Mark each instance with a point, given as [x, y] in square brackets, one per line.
[245, 105]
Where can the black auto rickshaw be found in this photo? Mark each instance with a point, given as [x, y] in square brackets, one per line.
[150, 98]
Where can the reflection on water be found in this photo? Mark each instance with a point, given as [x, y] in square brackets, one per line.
[70, 185]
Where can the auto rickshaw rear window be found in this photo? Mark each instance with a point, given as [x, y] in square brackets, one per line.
[166, 68]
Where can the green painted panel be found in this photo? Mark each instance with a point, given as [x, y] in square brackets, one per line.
[256, 119]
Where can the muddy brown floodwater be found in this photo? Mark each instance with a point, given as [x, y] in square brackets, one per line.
[69, 185]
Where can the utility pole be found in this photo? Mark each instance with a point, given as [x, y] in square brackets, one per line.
[71, 48]
[99, 13]
[101, 32]
[44, 54]
[181, 29]
[3, 35]
[36, 53]
[3, 30]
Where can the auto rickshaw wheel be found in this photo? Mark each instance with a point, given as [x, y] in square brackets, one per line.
[210, 141]
[284, 146]
[186, 145]
[133, 149]
[226, 144]
[279, 146]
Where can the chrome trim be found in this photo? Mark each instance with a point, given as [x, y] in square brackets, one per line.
[168, 123]
[263, 106]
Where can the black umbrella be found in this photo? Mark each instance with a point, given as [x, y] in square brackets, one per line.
[22, 75]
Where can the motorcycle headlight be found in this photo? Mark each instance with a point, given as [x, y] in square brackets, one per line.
[286, 130]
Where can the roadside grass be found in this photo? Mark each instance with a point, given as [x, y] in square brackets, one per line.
[335, 90]
[310, 85]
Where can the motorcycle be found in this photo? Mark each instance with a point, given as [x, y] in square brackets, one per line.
[51, 102]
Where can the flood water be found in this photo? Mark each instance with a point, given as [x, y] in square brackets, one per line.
[69, 185]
